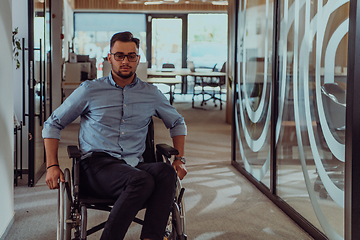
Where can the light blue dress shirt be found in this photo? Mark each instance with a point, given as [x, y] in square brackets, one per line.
[114, 119]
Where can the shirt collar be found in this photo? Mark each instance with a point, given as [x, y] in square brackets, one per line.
[132, 84]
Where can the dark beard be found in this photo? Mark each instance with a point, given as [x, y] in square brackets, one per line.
[124, 75]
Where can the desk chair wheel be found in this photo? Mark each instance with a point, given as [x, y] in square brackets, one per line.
[64, 208]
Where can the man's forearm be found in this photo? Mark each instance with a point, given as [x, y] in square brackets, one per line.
[179, 144]
[51, 150]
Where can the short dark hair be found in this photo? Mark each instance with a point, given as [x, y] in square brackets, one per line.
[124, 37]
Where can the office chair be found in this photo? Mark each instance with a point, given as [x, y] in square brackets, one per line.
[210, 86]
[334, 102]
[73, 204]
[168, 65]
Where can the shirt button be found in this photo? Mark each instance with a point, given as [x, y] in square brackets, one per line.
[124, 105]
[122, 132]
[123, 120]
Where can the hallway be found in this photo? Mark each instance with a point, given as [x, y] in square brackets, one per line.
[220, 202]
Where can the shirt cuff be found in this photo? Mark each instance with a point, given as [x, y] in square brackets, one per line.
[50, 132]
[178, 130]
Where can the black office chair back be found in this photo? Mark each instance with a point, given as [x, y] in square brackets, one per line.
[214, 69]
[168, 65]
[223, 69]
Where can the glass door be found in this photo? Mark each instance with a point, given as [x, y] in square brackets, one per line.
[37, 90]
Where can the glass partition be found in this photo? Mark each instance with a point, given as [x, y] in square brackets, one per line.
[312, 104]
[307, 167]
[253, 106]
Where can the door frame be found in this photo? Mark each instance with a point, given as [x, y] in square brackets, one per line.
[184, 35]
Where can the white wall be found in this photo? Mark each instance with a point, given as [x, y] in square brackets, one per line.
[6, 118]
[19, 20]
[56, 43]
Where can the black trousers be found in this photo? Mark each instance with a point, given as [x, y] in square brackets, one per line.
[148, 184]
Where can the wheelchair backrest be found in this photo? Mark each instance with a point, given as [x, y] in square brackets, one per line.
[149, 153]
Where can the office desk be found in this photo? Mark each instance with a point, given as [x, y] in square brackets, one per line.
[183, 72]
[161, 73]
[207, 74]
[171, 82]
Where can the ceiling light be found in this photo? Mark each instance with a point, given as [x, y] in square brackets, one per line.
[153, 3]
[223, 3]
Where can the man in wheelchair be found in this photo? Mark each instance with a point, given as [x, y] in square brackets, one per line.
[115, 111]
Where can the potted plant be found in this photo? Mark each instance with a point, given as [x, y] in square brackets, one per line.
[16, 47]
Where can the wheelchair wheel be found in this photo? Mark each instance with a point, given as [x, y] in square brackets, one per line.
[176, 227]
[64, 208]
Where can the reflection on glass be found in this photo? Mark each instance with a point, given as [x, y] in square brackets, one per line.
[312, 112]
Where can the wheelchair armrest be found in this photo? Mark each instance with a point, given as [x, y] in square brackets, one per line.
[73, 151]
[166, 150]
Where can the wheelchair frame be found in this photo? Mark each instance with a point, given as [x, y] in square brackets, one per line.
[72, 209]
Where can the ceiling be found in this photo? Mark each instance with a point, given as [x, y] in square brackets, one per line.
[151, 5]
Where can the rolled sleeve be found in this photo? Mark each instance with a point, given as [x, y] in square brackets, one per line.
[178, 130]
[49, 131]
[169, 115]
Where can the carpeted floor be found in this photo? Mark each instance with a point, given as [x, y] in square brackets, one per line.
[220, 202]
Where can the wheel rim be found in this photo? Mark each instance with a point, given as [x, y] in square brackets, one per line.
[64, 209]
[67, 206]
[60, 227]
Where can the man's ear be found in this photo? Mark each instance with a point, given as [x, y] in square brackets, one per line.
[138, 60]
[108, 58]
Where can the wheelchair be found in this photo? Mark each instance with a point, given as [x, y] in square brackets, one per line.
[73, 205]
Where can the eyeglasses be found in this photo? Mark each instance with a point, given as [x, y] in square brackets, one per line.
[132, 57]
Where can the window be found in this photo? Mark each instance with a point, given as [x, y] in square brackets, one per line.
[93, 32]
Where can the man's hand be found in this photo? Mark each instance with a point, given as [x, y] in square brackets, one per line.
[52, 177]
[179, 168]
